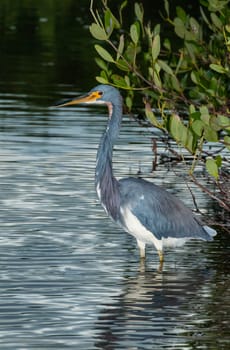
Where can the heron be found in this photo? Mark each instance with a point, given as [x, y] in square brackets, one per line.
[148, 212]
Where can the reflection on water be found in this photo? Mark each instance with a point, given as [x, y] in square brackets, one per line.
[71, 279]
[172, 310]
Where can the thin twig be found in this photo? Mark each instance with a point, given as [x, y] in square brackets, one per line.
[212, 195]
[193, 198]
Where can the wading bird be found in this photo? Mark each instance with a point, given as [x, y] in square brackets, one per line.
[146, 211]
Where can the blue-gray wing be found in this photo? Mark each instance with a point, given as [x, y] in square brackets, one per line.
[159, 211]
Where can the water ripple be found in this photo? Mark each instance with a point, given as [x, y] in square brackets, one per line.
[71, 279]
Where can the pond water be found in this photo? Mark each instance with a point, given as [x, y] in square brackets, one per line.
[71, 279]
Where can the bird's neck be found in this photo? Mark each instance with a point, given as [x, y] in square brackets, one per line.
[106, 184]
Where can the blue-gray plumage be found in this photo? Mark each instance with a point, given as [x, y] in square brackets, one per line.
[146, 211]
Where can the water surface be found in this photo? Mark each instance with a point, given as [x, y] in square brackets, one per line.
[71, 279]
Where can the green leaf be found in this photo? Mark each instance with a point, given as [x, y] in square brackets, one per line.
[190, 141]
[150, 72]
[195, 27]
[218, 68]
[104, 53]
[110, 21]
[129, 102]
[167, 44]
[119, 81]
[138, 9]
[192, 109]
[214, 123]
[121, 8]
[195, 77]
[157, 80]
[156, 47]
[179, 28]
[122, 65]
[150, 115]
[157, 29]
[181, 133]
[127, 80]
[223, 122]
[212, 168]
[194, 115]
[198, 127]
[109, 24]
[135, 32]
[101, 63]
[102, 80]
[165, 67]
[216, 21]
[176, 127]
[218, 160]
[217, 5]
[205, 117]
[227, 142]
[205, 17]
[104, 75]
[181, 13]
[166, 6]
[175, 83]
[149, 33]
[130, 52]
[120, 47]
[210, 134]
[98, 32]
[191, 48]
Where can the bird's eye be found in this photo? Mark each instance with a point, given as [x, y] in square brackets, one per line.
[100, 93]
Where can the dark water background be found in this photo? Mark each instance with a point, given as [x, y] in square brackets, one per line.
[69, 278]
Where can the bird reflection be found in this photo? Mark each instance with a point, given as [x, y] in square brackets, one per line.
[152, 308]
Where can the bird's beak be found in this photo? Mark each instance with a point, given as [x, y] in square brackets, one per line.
[91, 97]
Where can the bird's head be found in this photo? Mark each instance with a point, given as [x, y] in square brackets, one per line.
[101, 94]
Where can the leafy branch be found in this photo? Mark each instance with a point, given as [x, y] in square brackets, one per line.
[190, 76]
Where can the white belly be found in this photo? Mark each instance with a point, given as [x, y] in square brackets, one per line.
[136, 229]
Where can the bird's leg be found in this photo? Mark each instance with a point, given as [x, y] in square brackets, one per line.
[161, 258]
[141, 246]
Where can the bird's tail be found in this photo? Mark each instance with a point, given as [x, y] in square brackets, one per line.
[210, 231]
